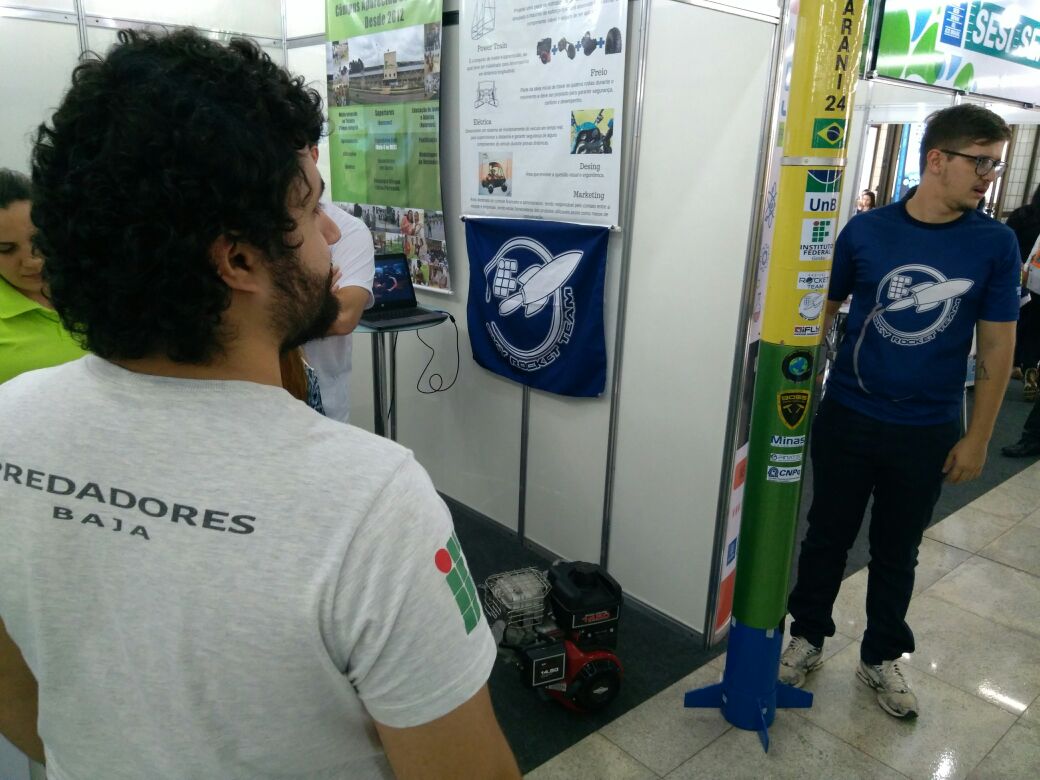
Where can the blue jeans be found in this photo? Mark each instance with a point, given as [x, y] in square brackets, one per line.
[854, 456]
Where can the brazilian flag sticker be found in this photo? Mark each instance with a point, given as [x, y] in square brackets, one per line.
[828, 133]
[450, 563]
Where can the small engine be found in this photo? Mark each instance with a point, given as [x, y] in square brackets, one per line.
[560, 628]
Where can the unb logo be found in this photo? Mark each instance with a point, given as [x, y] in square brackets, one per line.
[450, 562]
[823, 180]
[828, 133]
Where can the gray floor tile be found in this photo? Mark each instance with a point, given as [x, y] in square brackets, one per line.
[953, 734]
[594, 758]
[661, 733]
[1018, 547]
[797, 750]
[991, 661]
[996, 592]
[1006, 502]
[934, 561]
[969, 528]
[1033, 519]
[1016, 756]
[1032, 713]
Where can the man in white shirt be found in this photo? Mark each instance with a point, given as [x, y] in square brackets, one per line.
[330, 357]
[199, 575]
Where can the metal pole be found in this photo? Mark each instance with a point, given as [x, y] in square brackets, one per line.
[627, 220]
[392, 384]
[285, 46]
[81, 27]
[379, 382]
[525, 418]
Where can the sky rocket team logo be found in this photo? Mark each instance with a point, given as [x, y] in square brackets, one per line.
[535, 306]
[917, 303]
[524, 277]
[792, 405]
[450, 563]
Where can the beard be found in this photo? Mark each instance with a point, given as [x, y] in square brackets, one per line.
[305, 306]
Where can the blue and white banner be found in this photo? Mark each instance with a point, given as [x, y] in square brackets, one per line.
[535, 308]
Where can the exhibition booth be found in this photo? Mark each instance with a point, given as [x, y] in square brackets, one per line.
[678, 101]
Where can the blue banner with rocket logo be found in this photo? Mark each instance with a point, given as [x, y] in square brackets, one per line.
[535, 308]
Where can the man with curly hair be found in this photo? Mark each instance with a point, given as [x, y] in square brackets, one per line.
[199, 576]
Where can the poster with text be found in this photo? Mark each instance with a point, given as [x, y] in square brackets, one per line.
[383, 64]
[541, 92]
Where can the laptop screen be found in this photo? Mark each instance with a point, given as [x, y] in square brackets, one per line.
[392, 284]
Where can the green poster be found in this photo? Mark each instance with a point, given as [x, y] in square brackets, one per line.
[383, 64]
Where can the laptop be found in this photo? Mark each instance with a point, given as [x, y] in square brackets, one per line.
[395, 305]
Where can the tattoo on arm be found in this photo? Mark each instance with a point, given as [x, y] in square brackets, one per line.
[981, 372]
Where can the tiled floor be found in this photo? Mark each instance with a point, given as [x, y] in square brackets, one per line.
[976, 616]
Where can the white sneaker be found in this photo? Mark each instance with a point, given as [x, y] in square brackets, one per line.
[893, 689]
[800, 658]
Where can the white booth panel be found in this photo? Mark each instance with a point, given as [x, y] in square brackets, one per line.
[261, 17]
[567, 450]
[697, 177]
[46, 50]
[304, 17]
[101, 39]
[46, 5]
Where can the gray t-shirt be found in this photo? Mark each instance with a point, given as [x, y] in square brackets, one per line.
[210, 580]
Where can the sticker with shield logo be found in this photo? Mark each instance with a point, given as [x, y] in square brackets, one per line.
[792, 405]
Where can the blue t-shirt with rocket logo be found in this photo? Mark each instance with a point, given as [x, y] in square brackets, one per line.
[918, 290]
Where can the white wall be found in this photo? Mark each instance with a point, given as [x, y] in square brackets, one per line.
[697, 172]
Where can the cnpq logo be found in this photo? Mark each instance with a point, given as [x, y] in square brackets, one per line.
[536, 308]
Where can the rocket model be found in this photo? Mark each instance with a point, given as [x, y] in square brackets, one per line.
[538, 283]
[928, 295]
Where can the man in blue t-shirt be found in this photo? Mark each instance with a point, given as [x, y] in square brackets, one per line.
[925, 275]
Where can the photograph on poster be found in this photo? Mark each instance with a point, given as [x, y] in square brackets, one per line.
[394, 66]
[427, 262]
[413, 222]
[495, 173]
[592, 131]
[337, 68]
[387, 243]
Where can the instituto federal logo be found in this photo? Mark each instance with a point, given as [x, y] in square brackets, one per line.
[536, 309]
[915, 303]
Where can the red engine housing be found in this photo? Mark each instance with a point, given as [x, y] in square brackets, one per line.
[592, 677]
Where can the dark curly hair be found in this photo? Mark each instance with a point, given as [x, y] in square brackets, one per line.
[14, 186]
[166, 144]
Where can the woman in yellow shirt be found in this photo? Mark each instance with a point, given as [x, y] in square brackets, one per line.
[31, 333]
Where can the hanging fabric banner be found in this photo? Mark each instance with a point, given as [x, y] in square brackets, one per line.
[541, 92]
[383, 63]
[535, 309]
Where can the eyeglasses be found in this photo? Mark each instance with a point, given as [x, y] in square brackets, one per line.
[983, 165]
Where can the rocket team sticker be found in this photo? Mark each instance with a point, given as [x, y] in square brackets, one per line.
[792, 405]
[811, 306]
[450, 563]
[813, 280]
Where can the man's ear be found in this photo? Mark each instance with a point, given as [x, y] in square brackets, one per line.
[314, 153]
[240, 265]
[934, 159]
